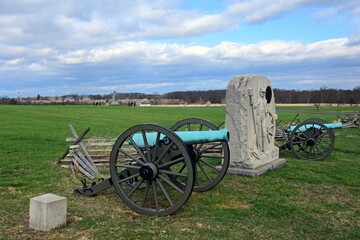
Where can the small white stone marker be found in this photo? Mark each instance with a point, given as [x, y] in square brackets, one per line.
[47, 211]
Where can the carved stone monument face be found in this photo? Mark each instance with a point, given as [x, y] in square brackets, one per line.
[250, 119]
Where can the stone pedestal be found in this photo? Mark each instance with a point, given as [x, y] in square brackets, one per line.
[250, 119]
[47, 211]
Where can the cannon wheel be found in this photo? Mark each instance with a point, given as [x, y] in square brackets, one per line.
[140, 174]
[311, 141]
[211, 160]
[320, 121]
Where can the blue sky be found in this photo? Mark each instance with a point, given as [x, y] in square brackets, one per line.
[53, 48]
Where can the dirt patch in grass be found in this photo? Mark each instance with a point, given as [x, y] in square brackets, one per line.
[234, 204]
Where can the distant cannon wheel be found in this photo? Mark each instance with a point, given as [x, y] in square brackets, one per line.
[211, 160]
[311, 141]
[320, 121]
[142, 159]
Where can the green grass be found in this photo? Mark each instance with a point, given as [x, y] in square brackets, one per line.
[304, 200]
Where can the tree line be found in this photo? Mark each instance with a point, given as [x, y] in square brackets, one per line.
[320, 96]
[312, 96]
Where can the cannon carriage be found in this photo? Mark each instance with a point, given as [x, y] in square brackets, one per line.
[312, 139]
[155, 169]
[309, 140]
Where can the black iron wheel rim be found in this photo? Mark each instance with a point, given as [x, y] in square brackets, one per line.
[311, 141]
[155, 195]
[210, 168]
[320, 120]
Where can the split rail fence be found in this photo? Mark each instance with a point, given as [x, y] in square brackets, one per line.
[85, 155]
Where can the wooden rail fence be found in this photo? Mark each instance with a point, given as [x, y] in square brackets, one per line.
[85, 155]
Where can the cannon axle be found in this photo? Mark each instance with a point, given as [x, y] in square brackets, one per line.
[149, 171]
[154, 169]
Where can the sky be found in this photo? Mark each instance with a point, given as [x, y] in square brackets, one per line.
[55, 48]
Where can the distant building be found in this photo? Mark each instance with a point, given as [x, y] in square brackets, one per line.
[69, 100]
[144, 103]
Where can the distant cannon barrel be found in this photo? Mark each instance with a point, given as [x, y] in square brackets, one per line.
[188, 137]
[307, 126]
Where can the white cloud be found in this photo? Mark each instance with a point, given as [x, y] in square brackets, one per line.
[255, 11]
[308, 81]
[204, 24]
[142, 44]
[73, 24]
[36, 67]
[263, 53]
[329, 82]
[260, 10]
[15, 61]
[355, 38]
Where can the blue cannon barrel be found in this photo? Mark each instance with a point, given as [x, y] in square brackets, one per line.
[188, 137]
[307, 126]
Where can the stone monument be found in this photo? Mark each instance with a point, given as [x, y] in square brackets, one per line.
[113, 99]
[250, 119]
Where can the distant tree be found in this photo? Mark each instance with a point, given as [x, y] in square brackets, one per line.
[38, 97]
[13, 101]
[322, 93]
[4, 100]
[357, 93]
[309, 95]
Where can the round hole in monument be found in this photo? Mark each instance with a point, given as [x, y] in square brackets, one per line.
[268, 94]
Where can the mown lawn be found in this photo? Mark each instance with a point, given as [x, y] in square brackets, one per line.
[304, 200]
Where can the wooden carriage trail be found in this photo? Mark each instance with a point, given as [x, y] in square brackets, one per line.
[154, 169]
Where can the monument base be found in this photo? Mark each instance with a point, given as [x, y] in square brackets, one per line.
[270, 166]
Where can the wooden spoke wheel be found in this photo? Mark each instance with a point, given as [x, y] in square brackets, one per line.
[142, 161]
[211, 160]
[311, 120]
[311, 141]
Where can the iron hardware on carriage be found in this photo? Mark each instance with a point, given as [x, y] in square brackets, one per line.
[312, 139]
[155, 169]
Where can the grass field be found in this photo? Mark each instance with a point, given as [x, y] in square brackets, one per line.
[304, 200]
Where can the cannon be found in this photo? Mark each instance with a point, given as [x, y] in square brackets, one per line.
[154, 169]
[312, 139]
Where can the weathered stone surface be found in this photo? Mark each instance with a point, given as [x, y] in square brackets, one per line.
[47, 211]
[270, 166]
[250, 119]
